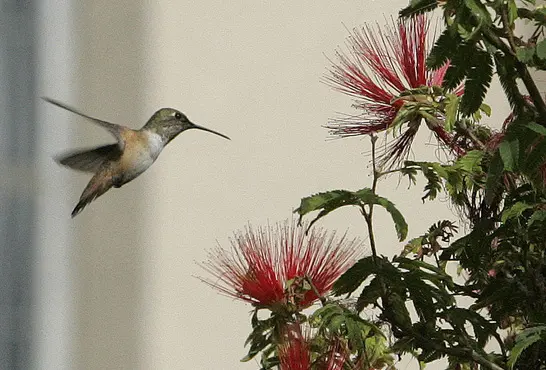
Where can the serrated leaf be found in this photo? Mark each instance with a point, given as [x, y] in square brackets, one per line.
[541, 49]
[478, 79]
[524, 340]
[400, 224]
[493, 177]
[464, 33]
[457, 69]
[515, 211]
[509, 152]
[486, 109]
[534, 159]
[505, 66]
[370, 294]
[470, 162]
[418, 7]
[444, 48]
[317, 201]
[539, 129]
[537, 217]
[330, 201]
[479, 11]
[354, 276]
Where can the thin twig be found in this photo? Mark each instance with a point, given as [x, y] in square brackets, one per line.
[368, 215]
[509, 31]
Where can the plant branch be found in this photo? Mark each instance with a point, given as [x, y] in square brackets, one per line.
[523, 73]
[463, 353]
[531, 15]
[470, 135]
[368, 215]
[508, 30]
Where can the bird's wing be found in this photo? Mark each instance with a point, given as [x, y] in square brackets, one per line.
[89, 160]
[112, 128]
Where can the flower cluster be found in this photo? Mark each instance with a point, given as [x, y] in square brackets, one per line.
[281, 267]
[385, 71]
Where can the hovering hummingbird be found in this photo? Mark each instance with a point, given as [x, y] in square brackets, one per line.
[114, 165]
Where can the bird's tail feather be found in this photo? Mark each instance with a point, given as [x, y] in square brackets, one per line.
[96, 187]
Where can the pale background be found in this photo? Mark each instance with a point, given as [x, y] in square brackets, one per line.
[115, 288]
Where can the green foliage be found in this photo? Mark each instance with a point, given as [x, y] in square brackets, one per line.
[418, 7]
[261, 336]
[495, 179]
[505, 66]
[332, 200]
[478, 79]
[524, 340]
[509, 153]
[428, 243]
[463, 175]
[364, 339]
[444, 49]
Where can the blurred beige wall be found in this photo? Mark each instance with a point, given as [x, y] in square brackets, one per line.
[251, 70]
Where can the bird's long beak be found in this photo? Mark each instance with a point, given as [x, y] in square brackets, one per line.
[209, 130]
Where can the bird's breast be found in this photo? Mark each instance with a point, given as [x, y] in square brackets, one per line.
[139, 154]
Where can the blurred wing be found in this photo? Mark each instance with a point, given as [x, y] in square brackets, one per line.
[89, 160]
[112, 128]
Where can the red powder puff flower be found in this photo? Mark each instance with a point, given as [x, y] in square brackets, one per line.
[279, 267]
[294, 352]
[336, 356]
[381, 69]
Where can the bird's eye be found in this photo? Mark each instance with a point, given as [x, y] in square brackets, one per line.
[178, 115]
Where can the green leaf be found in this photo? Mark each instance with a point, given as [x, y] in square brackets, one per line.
[335, 318]
[444, 49]
[460, 63]
[330, 201]
[512, 11]
[515, 211]
[486, 109]
[479, 11]
[541, 49]
[355, 276]
[509, 152]
[534, 159]
[539, 129]
[370, 294]
[493, 177]
[418, 7]
[478, 79]
[470, 162]
[525, 54]
[317, 201]
[396, 312]
[524, 340]
[451, 110]
[505, 66]
[537, 217]
[400, 224]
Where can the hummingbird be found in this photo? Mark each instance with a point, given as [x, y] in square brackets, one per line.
[114, 165]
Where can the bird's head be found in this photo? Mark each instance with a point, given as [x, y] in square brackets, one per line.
[169, 122]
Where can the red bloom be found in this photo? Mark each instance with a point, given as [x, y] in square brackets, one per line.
[294, 353]
[337, 357]
[381, 66]
[270, 267]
